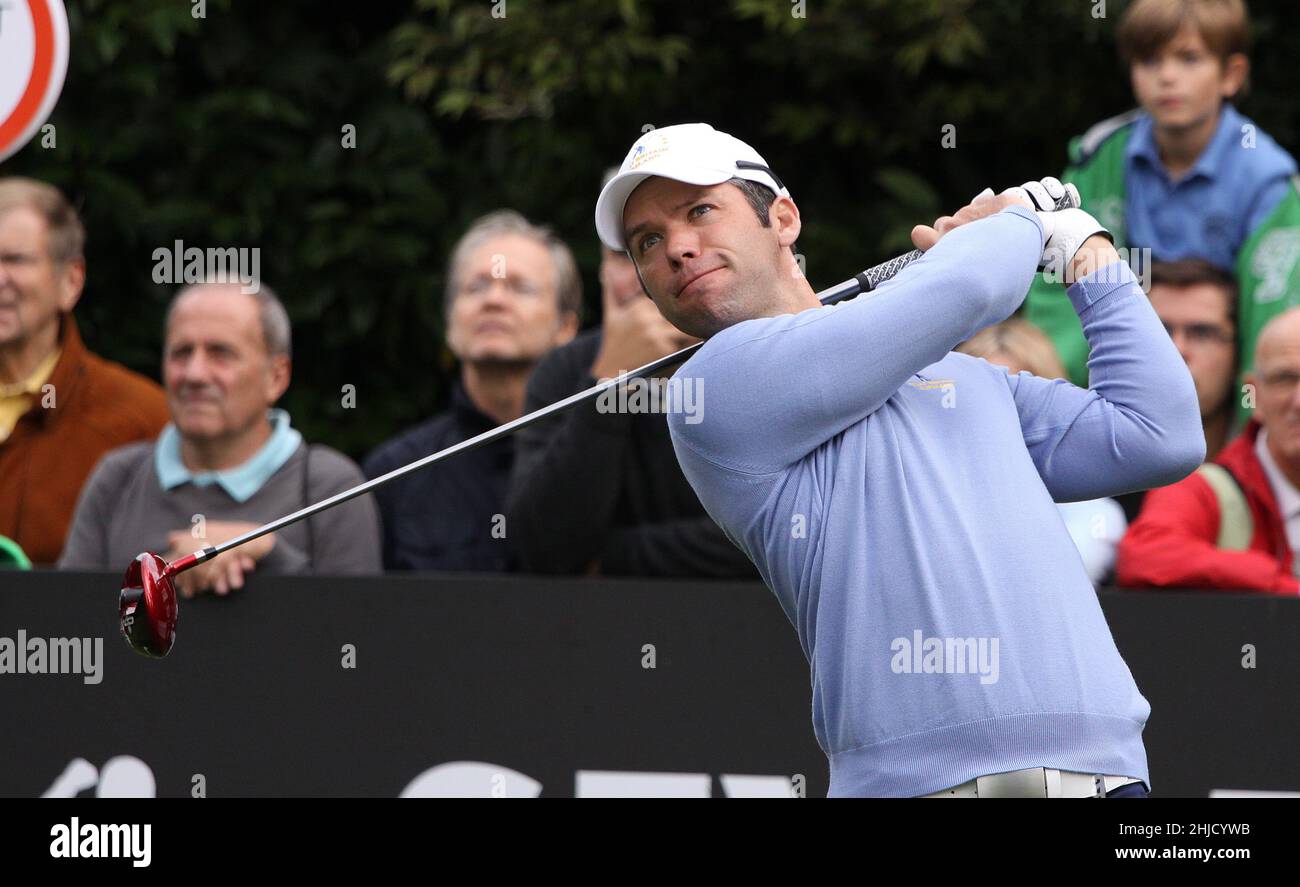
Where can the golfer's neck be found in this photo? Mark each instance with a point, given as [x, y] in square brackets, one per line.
[798, 295]
[220, 454]
[497, 389]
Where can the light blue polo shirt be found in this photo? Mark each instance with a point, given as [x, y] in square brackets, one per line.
[241, 482]
[1235, 184]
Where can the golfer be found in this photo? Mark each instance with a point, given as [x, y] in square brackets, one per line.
[898, 498]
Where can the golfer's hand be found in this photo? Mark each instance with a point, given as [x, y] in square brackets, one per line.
[634, 334]
[985, 204]
[1046, 194]
[224, 573]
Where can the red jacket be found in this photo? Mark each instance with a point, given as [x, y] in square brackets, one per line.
[1172, 542]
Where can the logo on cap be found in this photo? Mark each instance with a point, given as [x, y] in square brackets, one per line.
[648, 150]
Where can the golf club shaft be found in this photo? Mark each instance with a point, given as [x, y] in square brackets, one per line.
[865, 282]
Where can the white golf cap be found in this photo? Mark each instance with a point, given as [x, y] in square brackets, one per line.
[694, 153]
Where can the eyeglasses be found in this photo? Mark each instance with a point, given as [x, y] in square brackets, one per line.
[1200, 333]
[481, 285]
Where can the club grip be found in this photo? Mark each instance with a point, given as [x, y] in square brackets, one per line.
[873, 277]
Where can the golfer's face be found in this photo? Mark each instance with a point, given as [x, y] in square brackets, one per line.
[702, 252]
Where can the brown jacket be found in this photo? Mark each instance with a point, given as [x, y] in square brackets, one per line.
[98, 405]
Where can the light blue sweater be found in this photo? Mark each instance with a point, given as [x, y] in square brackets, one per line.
[898, 499]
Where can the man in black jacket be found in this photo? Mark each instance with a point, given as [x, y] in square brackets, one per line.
[595, 491]
[513, 294]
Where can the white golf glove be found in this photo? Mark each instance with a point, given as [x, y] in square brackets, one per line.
[1064, 230]
[1046, 194]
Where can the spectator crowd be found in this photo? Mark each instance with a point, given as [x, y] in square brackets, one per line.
[98, 463]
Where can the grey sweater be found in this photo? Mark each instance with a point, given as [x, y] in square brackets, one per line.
[123, 511]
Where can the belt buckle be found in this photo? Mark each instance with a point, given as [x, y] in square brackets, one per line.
[1028, 783]
[1070, 784]
[1110, 783]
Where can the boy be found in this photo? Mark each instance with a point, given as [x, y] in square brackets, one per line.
[1186, 175]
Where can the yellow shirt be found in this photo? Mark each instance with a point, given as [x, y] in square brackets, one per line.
[17, 398]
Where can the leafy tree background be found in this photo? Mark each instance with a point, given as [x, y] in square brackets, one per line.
[226, 131]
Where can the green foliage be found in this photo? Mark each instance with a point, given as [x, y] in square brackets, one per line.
[511, 60]
[227, 131]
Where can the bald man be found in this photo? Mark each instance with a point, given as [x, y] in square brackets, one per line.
[227, 462]
[1235, 522]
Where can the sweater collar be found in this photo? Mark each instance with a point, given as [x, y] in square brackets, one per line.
[241, 482]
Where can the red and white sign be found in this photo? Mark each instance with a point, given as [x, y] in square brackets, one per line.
[33, 62]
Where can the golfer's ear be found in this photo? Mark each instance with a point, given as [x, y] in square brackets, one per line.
[785, 218]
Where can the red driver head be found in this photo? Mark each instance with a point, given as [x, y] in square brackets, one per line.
[147, 606]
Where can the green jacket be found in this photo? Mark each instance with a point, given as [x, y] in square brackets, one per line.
[1267, 265]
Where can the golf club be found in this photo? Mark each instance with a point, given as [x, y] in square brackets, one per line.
[147, 606]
